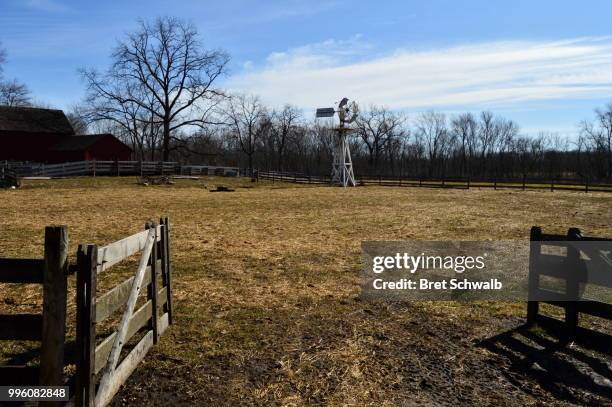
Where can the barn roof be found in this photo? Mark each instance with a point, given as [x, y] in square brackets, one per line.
[34, 120]
[80, 143]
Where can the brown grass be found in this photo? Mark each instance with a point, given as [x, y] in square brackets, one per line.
[266, 287]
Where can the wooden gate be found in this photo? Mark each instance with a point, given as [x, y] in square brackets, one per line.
[100, 371]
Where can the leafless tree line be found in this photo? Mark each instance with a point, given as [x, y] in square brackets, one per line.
[388, 143]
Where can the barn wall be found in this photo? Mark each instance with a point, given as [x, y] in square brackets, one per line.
[17, 146]
[109, 148]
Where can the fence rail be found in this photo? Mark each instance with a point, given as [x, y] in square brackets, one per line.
[11, 172]
[574, 184]
[572, 268]
[49, 327]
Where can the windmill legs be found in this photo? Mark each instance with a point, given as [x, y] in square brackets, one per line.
[342, 167]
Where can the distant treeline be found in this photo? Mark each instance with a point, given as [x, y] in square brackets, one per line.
[388, 144]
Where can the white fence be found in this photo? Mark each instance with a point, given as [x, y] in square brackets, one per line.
[116, 168]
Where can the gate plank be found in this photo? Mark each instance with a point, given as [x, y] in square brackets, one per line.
[114, 299]
[138, 320]
[124, 370]
[108, 376]
[120, 250]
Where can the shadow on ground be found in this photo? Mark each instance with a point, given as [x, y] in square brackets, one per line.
[576, 371]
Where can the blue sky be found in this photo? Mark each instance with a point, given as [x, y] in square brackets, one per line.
[546, 64]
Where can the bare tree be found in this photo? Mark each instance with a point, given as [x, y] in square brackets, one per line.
[378, 127]
[465, 128]
[14, 93]
[599, 136]
[433, 133]
[248, 122]
[164, 62]
[2, 59]
[284, 124]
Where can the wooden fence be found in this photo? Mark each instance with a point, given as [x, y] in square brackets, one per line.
[8, 177]
[94, 168]
[573, 269]
[100, 372]
[524, 183]
[49, 327]
[112, 168]
[102, 360]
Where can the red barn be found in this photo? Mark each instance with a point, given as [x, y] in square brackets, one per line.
[45, 135]
[103, 147]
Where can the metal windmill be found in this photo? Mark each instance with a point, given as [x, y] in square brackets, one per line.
[342, 166]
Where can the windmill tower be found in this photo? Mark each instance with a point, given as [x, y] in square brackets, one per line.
[342, 165]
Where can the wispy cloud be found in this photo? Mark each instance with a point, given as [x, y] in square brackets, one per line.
[47, 5]
[493, 74]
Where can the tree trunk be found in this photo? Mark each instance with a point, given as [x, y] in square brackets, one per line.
[166, 140]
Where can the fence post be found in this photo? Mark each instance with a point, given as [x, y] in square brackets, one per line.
[523, 182]
[552, 184]
[572, 288]
[152, 287]
[87, 264]
[495, 184]
[586, 185]
[167, 267]
[534, 277]
[468, 182]
[94, 167]
[54, 306]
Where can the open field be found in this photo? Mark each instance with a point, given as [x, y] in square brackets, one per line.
[267, 282]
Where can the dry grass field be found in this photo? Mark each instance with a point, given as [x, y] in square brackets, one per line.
[267, 308]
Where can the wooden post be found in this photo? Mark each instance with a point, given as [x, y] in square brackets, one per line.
[586, 185]
[534, 276]
[87, 261]
[94, 167]
[152, 287]
[523, 182]
[495, 183]
[118, 170]
[572, 283]
[552, 184]
[468, 182]
[54, 306]
[168, 262]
